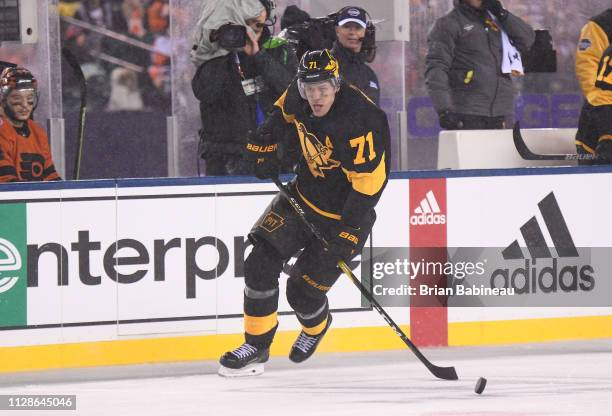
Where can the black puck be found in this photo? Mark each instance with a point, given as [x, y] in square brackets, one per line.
[480, 385]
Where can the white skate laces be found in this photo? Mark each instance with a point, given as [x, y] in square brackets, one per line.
[244, 351]
[305, 342]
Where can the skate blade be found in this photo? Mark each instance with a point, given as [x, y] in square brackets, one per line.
[250, 370]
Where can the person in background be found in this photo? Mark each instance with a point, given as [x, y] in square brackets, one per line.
[350, 33]
[236, 84]
[473, 51]
[24, 146]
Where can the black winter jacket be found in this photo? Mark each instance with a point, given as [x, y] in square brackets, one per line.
[354, 70]
[460, 42]
[228, 114]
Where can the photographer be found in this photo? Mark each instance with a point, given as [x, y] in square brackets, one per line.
[351, 28]
[240, 75]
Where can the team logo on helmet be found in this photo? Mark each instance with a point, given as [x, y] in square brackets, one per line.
[353, 12]
[332, 66]
[317, 155]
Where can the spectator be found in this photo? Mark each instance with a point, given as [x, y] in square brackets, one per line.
[68, 7]
[157, 95]
[124, 93]
[157, 16]
[134, 14]
[350, 33]
[472, 55]
[24, 146]
[236, 85]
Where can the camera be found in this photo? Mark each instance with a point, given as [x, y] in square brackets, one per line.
[229, 36]
[320, 33]
[541, 57]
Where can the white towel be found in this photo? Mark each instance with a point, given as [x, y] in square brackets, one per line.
[512, 62]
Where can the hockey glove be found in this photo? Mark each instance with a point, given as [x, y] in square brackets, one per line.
[496, 8]
[450, 120]
[343, 244]
[263, 155]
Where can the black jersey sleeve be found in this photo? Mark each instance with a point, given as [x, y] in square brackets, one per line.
[289, 102]
[366, 164]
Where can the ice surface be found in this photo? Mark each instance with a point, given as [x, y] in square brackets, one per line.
[573, 378]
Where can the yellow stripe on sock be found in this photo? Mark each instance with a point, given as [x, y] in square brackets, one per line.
[259, 325]
[315, 330]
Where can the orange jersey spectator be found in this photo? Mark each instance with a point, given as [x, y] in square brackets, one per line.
[24, 145]
[158, 16]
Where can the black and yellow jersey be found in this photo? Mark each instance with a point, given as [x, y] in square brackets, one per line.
[594, 60]
[345, 155]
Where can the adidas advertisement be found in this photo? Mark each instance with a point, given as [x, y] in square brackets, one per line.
[427, 241]
[542, 267]
[568, 271]
[428, 211]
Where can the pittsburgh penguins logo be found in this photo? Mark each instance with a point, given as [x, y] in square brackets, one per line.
[32, 166]
[317, 154]
[272, 222]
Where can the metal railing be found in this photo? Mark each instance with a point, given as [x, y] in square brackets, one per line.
[117, 36]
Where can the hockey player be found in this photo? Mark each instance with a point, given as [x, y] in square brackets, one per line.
[594, 72]
[343, 169]
[24, 145]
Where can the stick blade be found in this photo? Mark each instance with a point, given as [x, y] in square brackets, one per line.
[444, 373]
[527, 154]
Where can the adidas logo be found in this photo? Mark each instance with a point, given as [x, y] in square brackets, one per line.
[428, 212]
[532, 277]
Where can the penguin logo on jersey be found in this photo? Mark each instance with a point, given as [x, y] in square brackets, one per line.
[316, 154]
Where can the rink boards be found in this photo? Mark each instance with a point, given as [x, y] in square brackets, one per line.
[132, 271]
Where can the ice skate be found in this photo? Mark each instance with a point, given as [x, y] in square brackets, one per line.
[246, 360]
[305, 345]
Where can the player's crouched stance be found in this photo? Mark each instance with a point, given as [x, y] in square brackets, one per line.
[342, 171]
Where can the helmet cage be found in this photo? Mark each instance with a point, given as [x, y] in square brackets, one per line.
[301, 84]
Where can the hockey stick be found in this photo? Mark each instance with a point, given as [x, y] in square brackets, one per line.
[527, 154]
[445, 373]
[78, 72]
